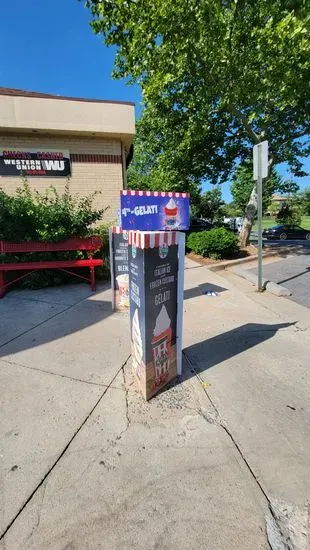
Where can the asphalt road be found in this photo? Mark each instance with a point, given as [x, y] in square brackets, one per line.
[288, 243]
[305, 244]
[293, 273]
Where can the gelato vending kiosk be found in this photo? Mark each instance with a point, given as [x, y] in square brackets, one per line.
[156, 282]
[119, 268]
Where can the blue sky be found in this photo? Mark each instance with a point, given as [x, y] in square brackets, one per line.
[48, 46]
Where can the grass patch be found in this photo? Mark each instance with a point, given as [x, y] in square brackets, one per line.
[270, 222]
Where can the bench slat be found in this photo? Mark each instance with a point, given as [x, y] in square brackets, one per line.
[23, 266]
[74, 243]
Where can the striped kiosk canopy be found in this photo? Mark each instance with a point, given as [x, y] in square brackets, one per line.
[154, 194]
[145, 240]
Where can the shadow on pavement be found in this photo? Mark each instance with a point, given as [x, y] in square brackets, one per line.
[295, 276]
[209, 353]
[202, 289]
[64, 323]
[285, 248]
[213, 351]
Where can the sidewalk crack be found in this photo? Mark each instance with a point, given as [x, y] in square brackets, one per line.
[215, 418]
[126, 399]
[77, 431]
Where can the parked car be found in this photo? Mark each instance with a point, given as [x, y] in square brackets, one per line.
[234, 223]
[197, 225]
[284, 232]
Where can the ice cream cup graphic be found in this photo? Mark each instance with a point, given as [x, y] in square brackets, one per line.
[123, 289]
[171, 211]
[161, 344]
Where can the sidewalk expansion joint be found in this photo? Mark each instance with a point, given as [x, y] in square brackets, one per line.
[37, 523]
[216, 419]
[39, 301]
[50, 470]
[14, 364]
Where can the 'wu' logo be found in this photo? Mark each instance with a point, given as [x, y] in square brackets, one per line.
[57, 165]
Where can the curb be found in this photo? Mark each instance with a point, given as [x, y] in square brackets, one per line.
[277, 290]
[251, 277]
[266, 254]
[231, 263]
[271, 287]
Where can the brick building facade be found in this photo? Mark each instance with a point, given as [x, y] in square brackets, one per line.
[97, 134]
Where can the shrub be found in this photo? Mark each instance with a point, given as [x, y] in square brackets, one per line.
[104, 252]
[192, 241]
[290, 213]
[216, 243]
[49, 216]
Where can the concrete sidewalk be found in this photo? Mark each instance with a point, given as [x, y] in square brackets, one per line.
[253, 351]
[87, 464]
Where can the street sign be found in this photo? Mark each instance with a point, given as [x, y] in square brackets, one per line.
[262, 158]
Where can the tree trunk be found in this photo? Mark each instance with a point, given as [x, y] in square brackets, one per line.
[250, 212]
[249, 219]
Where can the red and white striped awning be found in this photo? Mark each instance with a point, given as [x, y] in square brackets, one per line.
[154, 193]
[153, 239]
[118, 229]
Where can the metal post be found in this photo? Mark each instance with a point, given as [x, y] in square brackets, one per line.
[259, 216]
[181, 268]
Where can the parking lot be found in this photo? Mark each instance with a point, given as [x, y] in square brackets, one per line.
[292, 272]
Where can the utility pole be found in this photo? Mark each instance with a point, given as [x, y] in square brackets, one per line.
[260, 171]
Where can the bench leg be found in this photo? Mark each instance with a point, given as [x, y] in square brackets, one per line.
[92, 279]
[2, 285]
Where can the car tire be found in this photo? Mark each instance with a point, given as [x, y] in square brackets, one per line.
[283, 237]
[308, 236]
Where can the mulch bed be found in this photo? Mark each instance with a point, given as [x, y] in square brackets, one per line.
[250, 250]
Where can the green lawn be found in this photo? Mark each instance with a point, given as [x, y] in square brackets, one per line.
[269, 222]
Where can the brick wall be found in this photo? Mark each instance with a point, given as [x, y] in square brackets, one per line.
[96, 165]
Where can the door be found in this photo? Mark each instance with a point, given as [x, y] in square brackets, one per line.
[291, 231]
[299, 232]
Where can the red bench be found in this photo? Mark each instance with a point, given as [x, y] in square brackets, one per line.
[88, 244]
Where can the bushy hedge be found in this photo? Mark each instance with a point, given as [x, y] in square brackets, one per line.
[104, 252]
[216, 243]
[50, 216]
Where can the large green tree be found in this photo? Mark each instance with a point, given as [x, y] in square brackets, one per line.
[150, 171]
[217, 76]
[232, 210]
[242, 186]
[305, 201]
[211, 205]
[291, 211]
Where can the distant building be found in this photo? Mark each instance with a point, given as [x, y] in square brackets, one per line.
[279, 200]
[49, 138]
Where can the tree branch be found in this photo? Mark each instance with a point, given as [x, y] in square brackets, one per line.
[231, 30]
[238, 114]
[292, 137]
[270, 164]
